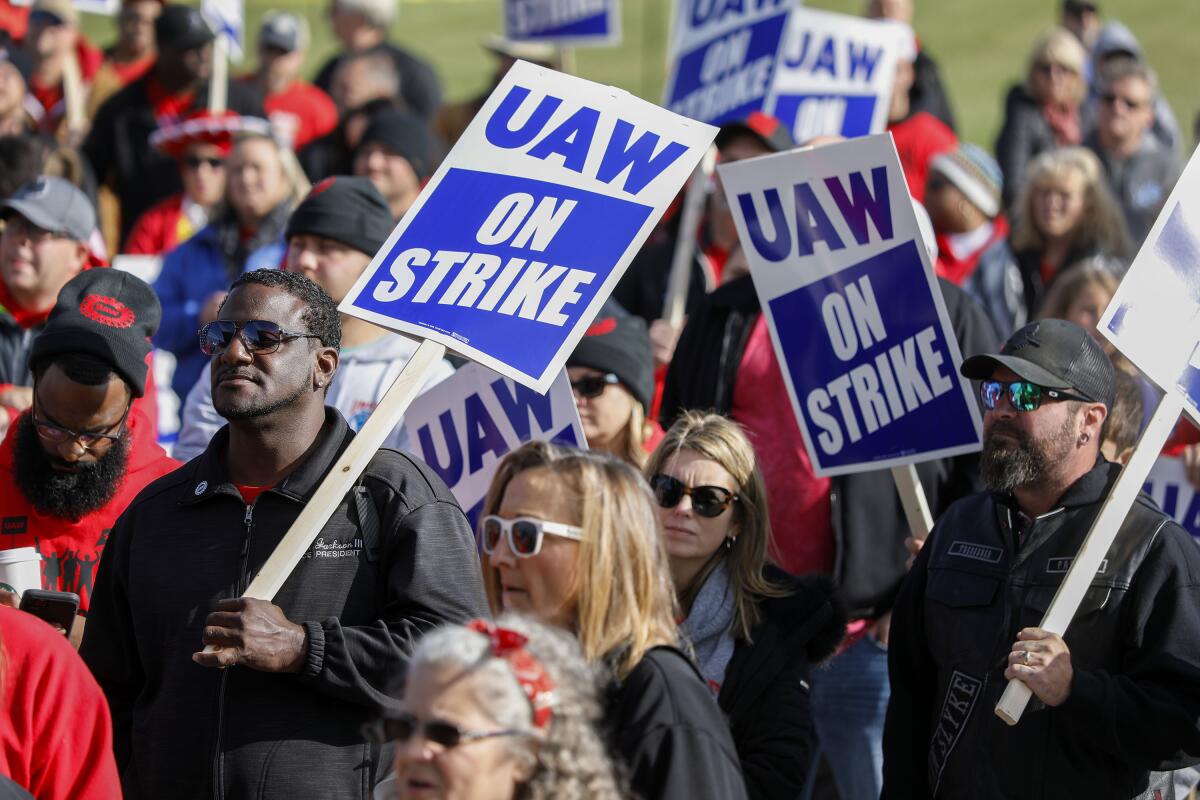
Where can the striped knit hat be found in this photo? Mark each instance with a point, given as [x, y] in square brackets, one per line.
[974, 173]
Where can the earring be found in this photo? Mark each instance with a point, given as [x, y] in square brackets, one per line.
[729, 540]
[320, 384]
[1084, 438]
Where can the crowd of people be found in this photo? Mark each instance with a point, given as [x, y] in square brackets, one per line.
[682, 610]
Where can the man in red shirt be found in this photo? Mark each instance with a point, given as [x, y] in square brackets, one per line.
[299, 111]
[52, 37]
[133, 54]
[919, 135]
[71, 464]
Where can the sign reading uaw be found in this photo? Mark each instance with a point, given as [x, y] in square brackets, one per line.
[522, 233]
[855, 312]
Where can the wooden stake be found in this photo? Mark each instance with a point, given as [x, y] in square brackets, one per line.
[912, 498]
[344, 473]
[1087, 561]
[73, 95]
[680, 279]
[218, 85]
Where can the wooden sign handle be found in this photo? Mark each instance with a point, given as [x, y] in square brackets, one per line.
[680, 278]
[1091, 553]
[73, 95]
[912, 498]
[218, 84]
[344, 473]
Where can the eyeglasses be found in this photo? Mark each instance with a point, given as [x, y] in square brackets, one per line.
[524, 534]
[258, 336]
[195, 162]
[594, 385]
[707, 501]
[1112, 98]
[57, 434]
[1022, 395]
[402, 727]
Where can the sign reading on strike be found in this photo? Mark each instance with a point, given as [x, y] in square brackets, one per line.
[525, 228]
[722, 56]
[1168, 486]
[855, 313]
[563, 22]
[1154, 317]
[835, 74]
[464, 425]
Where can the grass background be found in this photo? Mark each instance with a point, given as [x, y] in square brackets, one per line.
[981, 45]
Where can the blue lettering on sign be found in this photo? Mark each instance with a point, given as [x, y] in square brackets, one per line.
[819, 57]
[709, 12]
[811, 222]
[727, 78]
[1188, 518]
[572, 140]
[502, 263]
[811, 115]
[875, 380]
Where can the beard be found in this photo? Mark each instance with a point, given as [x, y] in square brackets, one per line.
[252, 409]
[1005, 468]
[66, 495]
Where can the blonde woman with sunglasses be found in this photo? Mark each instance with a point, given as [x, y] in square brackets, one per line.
[755, 630]
[571, 538]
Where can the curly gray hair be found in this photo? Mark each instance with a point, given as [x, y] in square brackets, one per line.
[571, 759]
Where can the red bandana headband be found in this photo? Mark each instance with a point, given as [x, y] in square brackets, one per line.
[509, 645]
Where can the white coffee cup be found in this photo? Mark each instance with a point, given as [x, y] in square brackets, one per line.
[20, 569]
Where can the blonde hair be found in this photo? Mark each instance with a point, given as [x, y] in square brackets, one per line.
[1074, 281]
[622, 595]
[724, 442]
[298, 184]
[1058, 46]
[1101, 221]
[632, 445]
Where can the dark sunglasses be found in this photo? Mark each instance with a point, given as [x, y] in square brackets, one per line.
[402, 727]
[1022, 395]
[707, 501]
[58, 434]
[594, 385]
[258, 336]
[525, 534]
[195, 162]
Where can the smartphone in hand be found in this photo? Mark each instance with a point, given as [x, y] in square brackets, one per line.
[57, 608]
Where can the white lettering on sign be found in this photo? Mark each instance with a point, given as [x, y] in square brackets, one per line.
[536, 15]
[872, 395]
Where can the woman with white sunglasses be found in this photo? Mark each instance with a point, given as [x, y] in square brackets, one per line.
[571, 537]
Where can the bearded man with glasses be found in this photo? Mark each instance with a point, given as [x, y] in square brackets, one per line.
[1117, 699]
[84, 449]
[396, 559]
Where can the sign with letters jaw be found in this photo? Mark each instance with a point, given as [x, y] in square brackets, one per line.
[722, 56]
[855, 313]
[525, 228]
[464, 425]
[566, 23]
[834, 75]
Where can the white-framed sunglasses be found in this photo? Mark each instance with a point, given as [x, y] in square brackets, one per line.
[524, 534]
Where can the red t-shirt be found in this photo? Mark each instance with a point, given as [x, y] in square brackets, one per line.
[250, 493]
[55, 731]
[918, 139]
[167, 107]
[300, 113]
[50, 97]
[801, 512]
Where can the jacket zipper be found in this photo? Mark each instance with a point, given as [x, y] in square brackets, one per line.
[242, 582]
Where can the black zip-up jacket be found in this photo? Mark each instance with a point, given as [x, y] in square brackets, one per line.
[364, 593]
[868, 521]
[1134, 704]
[765, 691]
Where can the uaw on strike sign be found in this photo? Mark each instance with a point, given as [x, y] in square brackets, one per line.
[522, 233]
[563, 22]
[855, 313]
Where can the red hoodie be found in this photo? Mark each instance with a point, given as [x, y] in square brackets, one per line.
[71, 550]
[55, 730]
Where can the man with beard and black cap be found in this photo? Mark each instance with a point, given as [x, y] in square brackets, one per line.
[72, 463]
[395, 559]
[1117, 699]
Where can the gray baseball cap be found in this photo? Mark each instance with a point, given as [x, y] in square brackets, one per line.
[55, 205]
[283, 30]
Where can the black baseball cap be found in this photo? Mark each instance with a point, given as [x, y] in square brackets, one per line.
[773, 134]
[1055, 354]
[181, 28]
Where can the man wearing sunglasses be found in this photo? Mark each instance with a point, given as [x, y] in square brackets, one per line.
[285, 698]
[72, 463]
[1117, 700]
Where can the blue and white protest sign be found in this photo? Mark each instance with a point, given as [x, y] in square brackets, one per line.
[1168, 486]
[464, 425]
[566, 23]
[106, 8]
[722, 56]
[835, 74]
[855, 312]
[228, 19]
[523, 231]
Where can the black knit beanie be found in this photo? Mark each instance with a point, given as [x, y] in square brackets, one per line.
[617, 342]
[345, 209]
[106, 313]
[406, 135]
